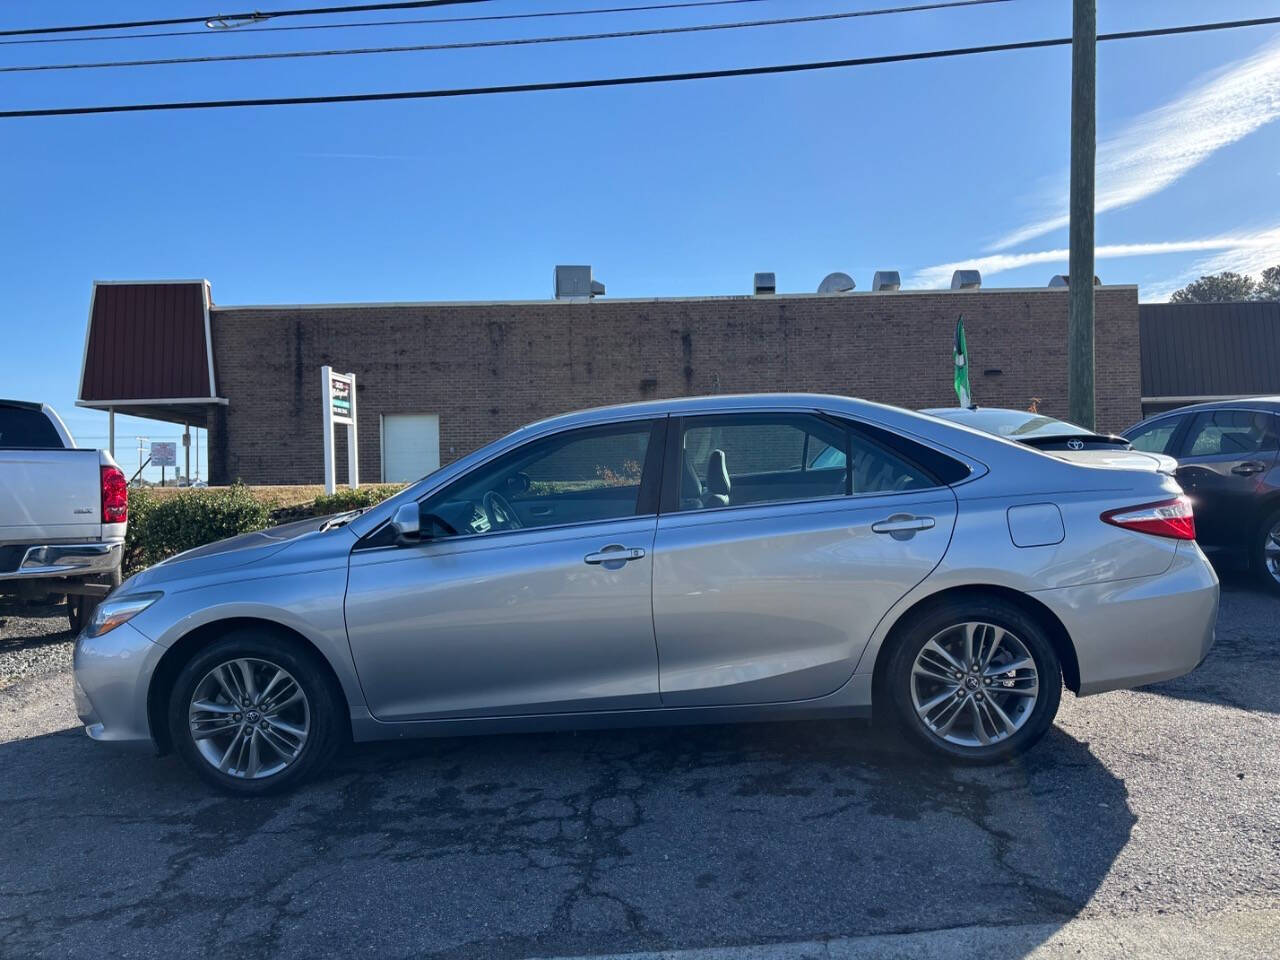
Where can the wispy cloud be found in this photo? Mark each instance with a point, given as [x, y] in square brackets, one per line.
[1243, 253]
[1250, 254]
[1164, 144]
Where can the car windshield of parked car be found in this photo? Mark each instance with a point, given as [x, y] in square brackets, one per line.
[574, 477]
[1014, 424]
[1154, 437]
[25, 429]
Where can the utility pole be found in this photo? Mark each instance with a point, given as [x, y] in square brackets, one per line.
[1084, 59]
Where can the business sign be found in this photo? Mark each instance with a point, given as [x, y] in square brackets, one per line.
[339, 407]
[164, 454]
[341, 389]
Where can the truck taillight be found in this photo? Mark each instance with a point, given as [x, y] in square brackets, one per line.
[115, 496]
[1166, 518]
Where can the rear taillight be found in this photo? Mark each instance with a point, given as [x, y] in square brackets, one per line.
[115, 496]
[1165, 518]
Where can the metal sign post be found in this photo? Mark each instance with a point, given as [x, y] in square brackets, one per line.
[339, 398]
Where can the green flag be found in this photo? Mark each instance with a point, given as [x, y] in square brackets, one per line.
[960, 354]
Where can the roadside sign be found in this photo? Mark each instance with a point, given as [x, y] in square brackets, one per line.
[340, 390]
[339, 407]
[164, 454]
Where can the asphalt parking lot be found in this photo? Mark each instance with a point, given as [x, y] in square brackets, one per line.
[1154, 810]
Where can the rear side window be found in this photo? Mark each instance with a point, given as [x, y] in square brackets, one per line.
[1230, 433]
[736, 460]
[23, 429]
[1154, 437]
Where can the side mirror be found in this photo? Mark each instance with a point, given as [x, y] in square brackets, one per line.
[407, 523]
[517, 483]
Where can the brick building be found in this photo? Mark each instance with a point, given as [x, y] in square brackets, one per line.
[436, 380]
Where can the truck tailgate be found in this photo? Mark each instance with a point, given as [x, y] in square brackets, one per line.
[50, 495]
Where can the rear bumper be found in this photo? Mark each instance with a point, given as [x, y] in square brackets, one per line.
[1131, 632]
[112, 676]
[67, 560]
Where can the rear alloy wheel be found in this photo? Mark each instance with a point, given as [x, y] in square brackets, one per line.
[977, 682]
[1266, 553]
[253, 713]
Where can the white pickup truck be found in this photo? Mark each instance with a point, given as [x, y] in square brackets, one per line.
[63, 512]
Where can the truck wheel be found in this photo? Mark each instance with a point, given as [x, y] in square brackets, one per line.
[80, 608]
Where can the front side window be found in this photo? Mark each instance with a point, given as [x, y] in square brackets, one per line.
[579, 476]
[741, 459]
[1230, 433]
[1154, 437]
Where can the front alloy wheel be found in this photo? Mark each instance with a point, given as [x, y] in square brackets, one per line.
[255, 712]
[249, 718]
[973, 680]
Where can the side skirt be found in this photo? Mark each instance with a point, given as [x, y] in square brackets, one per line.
[853, 700]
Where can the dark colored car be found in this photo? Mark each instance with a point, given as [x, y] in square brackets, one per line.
[1227, 463]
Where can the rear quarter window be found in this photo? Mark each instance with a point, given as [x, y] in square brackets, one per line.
[23, 429]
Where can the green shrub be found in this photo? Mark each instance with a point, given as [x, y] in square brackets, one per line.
[346, 499]
[160, 526]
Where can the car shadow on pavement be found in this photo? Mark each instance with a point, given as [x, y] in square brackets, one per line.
[1243, 668]
[546, 844]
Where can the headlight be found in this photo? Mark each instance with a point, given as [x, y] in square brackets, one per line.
[115, 611]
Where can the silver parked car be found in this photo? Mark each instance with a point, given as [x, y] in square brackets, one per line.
[715, 559]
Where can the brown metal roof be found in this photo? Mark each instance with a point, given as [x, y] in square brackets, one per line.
[1195, 350]
[147, 350]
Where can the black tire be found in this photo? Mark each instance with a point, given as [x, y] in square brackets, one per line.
[81, 608]
[1258, 554]
[329, 726]
[910, 638]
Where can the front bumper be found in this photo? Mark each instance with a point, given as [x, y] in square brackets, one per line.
[1131, 632]
[112, 676]
[67, 560]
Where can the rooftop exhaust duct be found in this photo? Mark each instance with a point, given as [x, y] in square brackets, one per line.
[765, 283]
[966, 280]
[836, 283]
[1064, 280]
[885, 281]
[575, 283]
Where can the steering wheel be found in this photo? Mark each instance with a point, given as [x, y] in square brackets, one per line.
[499, 511]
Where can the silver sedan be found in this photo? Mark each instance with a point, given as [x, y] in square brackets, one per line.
[705, 560]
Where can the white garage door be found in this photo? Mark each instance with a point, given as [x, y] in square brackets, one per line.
[410, 446]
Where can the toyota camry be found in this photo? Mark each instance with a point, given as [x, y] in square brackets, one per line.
[702, 560]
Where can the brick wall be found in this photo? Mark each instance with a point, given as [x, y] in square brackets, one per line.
[488, 368]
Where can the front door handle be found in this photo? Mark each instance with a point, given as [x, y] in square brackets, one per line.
[1248, 468]
[614, 555]
[902, 526]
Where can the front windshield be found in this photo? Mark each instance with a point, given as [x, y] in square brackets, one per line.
[1016, 424]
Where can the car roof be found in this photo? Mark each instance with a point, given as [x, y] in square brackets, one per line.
[1271, 403]
[693, 405]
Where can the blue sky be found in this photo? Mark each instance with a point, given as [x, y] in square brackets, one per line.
[667, 190]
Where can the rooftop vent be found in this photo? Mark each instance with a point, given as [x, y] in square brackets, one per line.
[886, 280]
[575, 283]
[836, 283]
[765, 283]
[966, 280]
[1064, 280]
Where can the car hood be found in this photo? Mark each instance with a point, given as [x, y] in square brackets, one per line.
[1122, 459]
[225, 554]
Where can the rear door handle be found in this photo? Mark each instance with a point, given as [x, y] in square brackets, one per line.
[902, 526]
[1248, 468]
[615, 555]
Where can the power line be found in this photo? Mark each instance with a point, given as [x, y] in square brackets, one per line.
[524, 41]
[684, 5]
[251, 15]
[629, 80]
